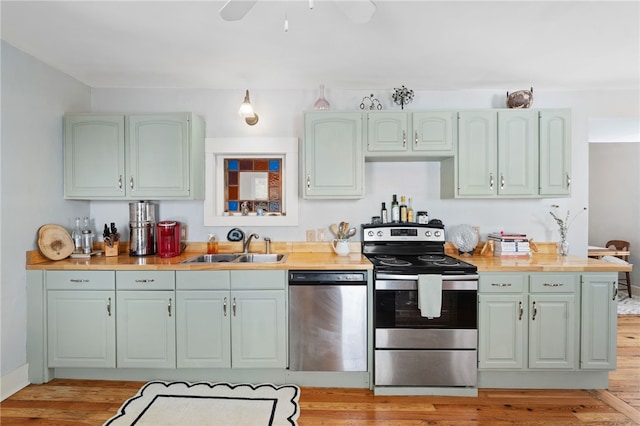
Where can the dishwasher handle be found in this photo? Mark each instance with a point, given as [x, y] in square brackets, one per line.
[327, 277]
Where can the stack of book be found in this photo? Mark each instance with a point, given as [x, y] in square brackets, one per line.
[510, 244]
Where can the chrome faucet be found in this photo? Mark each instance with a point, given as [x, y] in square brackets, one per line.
[246, 241]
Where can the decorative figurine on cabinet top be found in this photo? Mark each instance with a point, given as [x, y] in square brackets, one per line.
[402, 96]
[520, 99]
[374, 103]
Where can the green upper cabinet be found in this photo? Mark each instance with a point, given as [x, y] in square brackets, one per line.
[410, 135]
[332, 156]
[517, 153]
[555, 152]
[159, 156]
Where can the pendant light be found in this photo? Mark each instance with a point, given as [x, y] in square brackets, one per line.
[246, 111]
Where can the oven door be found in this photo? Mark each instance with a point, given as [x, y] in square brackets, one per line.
[396, 303]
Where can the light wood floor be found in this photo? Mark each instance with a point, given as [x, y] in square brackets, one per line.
[90, 402]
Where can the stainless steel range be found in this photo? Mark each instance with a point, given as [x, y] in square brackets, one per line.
[416, 347]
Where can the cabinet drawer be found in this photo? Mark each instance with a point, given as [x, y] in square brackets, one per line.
[145, 280]
[502, 283]
[258, 280]
[80, 280]
[553, 283]
[202, 280]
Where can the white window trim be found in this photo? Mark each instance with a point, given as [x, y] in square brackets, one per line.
[217, 149]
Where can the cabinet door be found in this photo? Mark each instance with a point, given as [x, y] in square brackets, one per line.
[502, 324]
[203, 329]
[158, 155]
[258, 327]
[146, 329]
[599, 322]
[387, 132]
[555, 152]
[434, 132]
[517, 152]
[94, 156]
[81, 329]
[552, 331]
[333, 156]
[477, 155]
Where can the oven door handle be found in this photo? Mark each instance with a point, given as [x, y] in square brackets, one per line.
[462, 277]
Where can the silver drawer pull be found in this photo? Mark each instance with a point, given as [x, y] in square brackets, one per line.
[145, 281]
[78, 280]
[233, 306]
[169, 307]
[224, 307]
[552, 285]
[521, 311]
[501, 284]
[109, 307]
[535, 311]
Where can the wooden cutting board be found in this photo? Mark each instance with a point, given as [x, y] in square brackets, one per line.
[54, 242]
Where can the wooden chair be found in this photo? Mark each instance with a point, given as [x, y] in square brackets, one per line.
[622, 245]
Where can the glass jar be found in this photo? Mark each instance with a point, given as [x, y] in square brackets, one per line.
[212, 245]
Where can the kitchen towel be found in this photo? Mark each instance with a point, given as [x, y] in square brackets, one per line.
[430, 295]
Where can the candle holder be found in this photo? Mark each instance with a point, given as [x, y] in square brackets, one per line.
[374, 103]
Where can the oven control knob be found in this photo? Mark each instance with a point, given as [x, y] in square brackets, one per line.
[428, 233]
[370, 233]
[380, 234]
[437, 233]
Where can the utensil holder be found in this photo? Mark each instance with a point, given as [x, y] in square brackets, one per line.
[111, 251]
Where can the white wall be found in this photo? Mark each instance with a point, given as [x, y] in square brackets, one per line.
[614, 197]
[34, 99]
[281, 114]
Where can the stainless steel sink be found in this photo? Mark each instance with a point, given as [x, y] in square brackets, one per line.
[212, 258]
[262, 258]
[238, 258]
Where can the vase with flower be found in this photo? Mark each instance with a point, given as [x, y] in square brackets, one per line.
[563, 226]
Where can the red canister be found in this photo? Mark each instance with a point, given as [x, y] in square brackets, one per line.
[168, 238]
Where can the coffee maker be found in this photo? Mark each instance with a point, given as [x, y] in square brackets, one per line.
[142, 226]
[168, 235]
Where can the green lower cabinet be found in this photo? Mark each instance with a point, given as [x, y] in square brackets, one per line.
[231, 319]
[81, 329]
[552, 331]
[503, 324]
[146, 329]
[599, 322]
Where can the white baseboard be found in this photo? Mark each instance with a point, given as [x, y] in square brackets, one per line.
[14, 381]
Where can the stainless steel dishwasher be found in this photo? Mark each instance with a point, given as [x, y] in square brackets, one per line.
[328, 320]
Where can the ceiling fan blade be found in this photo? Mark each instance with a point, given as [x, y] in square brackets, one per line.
[358, 11]
[234, 10]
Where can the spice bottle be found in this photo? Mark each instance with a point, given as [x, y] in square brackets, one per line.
[384, 216]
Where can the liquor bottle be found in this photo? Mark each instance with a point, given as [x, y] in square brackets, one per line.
[410, 216]
[383, 213]
[395, 210]
[403, 209]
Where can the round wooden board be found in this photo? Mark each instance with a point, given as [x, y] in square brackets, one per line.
[54, 242]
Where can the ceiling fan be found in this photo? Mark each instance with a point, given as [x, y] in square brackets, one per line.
[358, 11]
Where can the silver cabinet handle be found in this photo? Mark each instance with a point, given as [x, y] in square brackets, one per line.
[501, 181]
[78, 280]
[308, 181]
[501, 284]
[568, 181]
[145, 281]
[521, 311]
[131, 182]
[490, 180]
[404, 138]
[169, 307]
[535, 311]
[552, 285]
[120, 183]
[224, 307]
[615, 290]
[416, 138]
[234, 306]
[109, 307]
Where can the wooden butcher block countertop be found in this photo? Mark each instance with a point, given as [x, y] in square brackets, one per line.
[318, 255]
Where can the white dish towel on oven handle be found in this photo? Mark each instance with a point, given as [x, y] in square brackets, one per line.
[430, 295]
